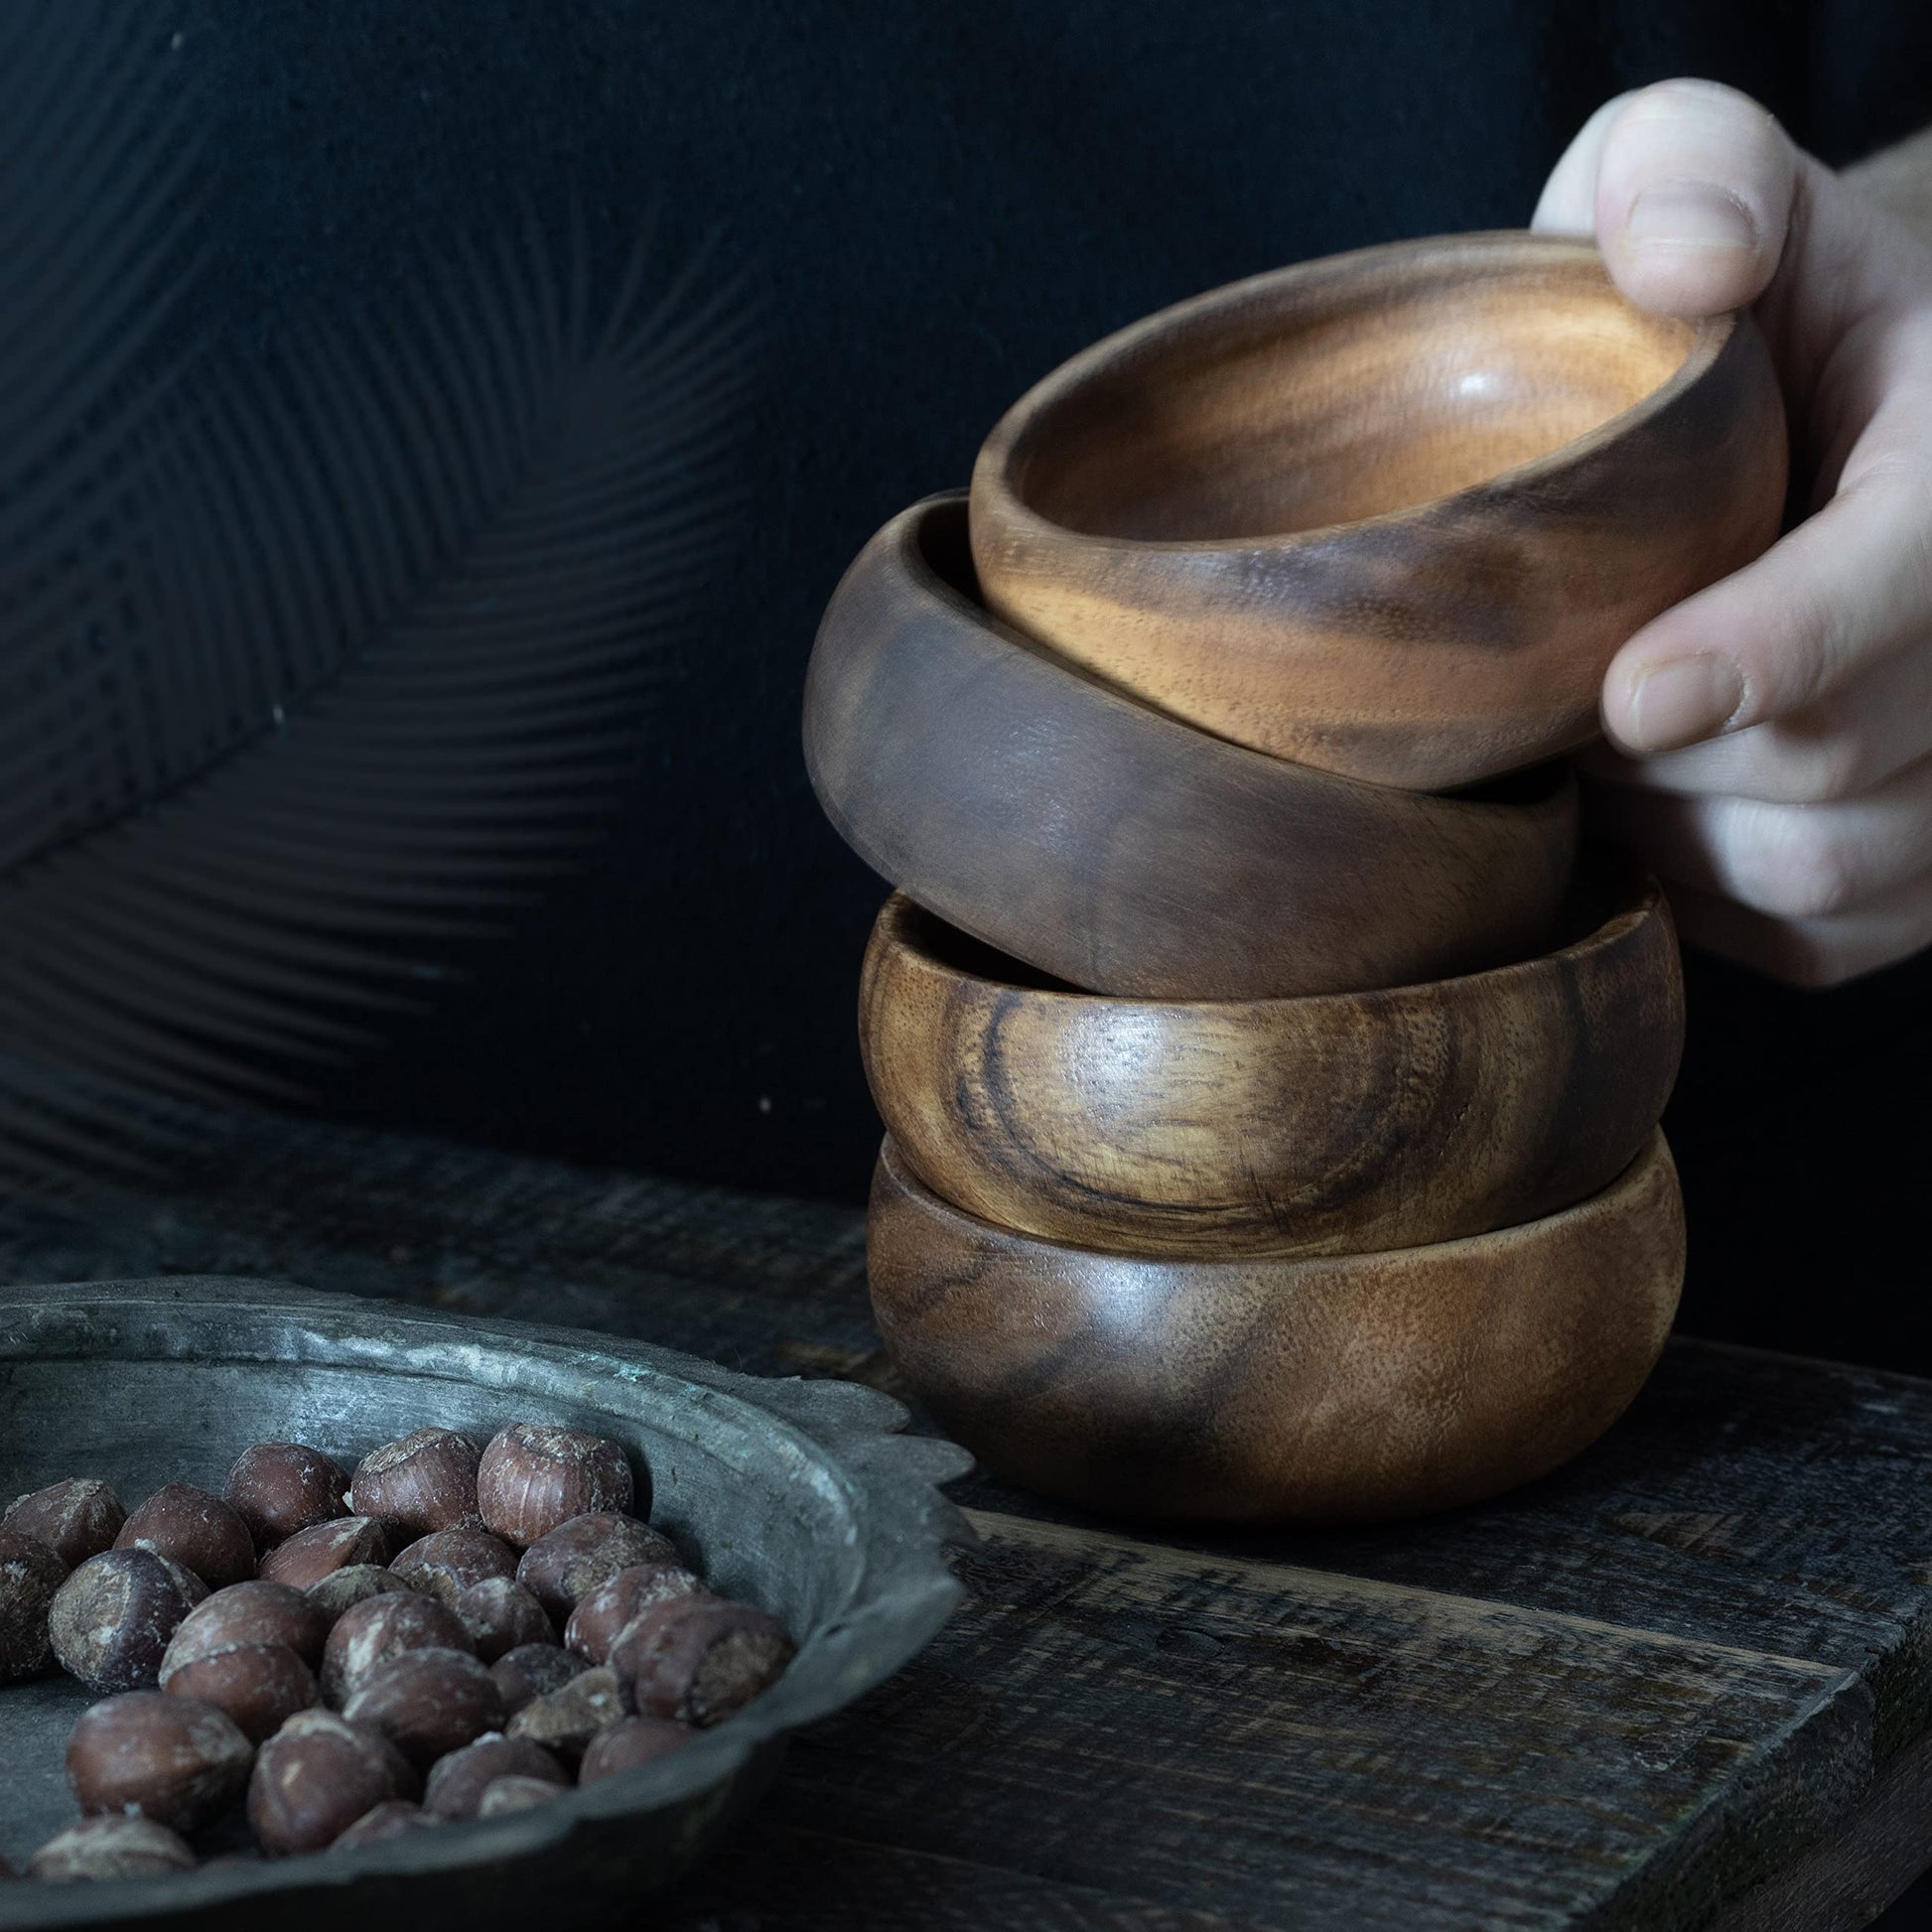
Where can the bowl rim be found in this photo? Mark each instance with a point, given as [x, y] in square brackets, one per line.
[993, 481]
[1639, 899]
[885, 1479]
[901, 542]
[1653, 1153]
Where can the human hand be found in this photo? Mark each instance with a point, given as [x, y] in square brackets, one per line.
[1770, 750]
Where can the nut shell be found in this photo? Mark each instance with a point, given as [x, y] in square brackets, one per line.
[426, 1480]
[342, 1589]
[76, 1519]
[318, 1776]
[118, 1846]
[174, 1759]
[31, 1574]
[565, 1720]
[516, 1794]
[533, 1477]
[697, 1659]
[190, 1527]
[446, 1563]
[561, 1568]
[111, 1621]
[369, 1634]
[428, 1702]
[313, 1554]
[253, 1613]
[534, 1670]
[281, 1488]
[596, 1623]
[394, 1818]
[628, 1743]
[260, 1686]
[457, 1785]
[500, 1616]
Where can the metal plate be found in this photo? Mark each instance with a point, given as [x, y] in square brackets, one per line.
[798, 1495]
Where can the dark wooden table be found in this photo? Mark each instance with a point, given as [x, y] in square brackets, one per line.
[1686, 1681]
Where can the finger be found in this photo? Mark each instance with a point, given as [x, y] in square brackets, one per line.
[1694, 193]
[1568, 205]
[1810, 952]
[1848, 743]
[1787, 861]
[1848, 588]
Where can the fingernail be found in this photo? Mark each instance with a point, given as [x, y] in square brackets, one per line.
[1683, 701]
[1690, 214]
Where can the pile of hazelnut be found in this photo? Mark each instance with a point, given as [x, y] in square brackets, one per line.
[448, 1634]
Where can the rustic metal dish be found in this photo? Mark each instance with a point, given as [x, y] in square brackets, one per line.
[798, 1495]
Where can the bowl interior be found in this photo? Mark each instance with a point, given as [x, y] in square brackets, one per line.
[1296, 402]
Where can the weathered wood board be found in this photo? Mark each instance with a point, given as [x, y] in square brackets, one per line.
[1650, 1687]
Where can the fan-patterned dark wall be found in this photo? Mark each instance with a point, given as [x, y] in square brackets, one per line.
[928, 206]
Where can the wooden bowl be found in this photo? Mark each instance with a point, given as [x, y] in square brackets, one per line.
[1340, 1124]
[1391, 512]
[1118, 849]
[1312, 1390]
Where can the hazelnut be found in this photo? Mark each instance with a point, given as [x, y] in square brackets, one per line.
[76, 1519]
[516, 1794]
[31, 1572]
[117, 1846]
[251, 1612]
[533, 1670]
[565, 1720]
[500, 1616]
[456, 1784]
[594, 1622]
[174, 1759]
[630, 1742]
[533, 1477]
[111, 1621]
[190, 1527]
[379, 1628]
[564, 1567]
[426, 1481]
[447, 1562]
[394, 1818]
[260, 1685]
[428, 1702]
[698, 1659]
[280, 1489]
[317, 1777]
[313, 1554]
[342, 1589]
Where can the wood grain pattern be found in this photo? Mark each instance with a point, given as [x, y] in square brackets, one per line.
[1286, 1390]
[1747, 1501]
[1390, 512]
[1338, 1124]
[1120, 850]
[1268, 1745]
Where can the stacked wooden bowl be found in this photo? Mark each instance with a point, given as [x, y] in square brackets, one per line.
[1270, 1101]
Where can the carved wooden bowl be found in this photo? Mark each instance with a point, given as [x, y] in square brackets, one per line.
[1121, 850]
[1306, 1389]
[1391, 512]
[1338, 1124]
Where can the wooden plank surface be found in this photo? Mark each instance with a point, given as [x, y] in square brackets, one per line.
[1634, 1691]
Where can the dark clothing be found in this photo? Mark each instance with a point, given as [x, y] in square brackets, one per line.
[935, 204]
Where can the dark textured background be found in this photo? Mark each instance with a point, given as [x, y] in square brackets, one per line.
[933, 204]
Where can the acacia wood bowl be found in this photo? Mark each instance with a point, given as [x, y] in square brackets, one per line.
[1389, 512]
[1270, 1390]
[1120, 850]
[1343, 1123]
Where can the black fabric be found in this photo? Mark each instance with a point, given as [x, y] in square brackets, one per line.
[934, 205]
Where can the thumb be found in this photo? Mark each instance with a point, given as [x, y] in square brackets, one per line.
[1688, 186]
